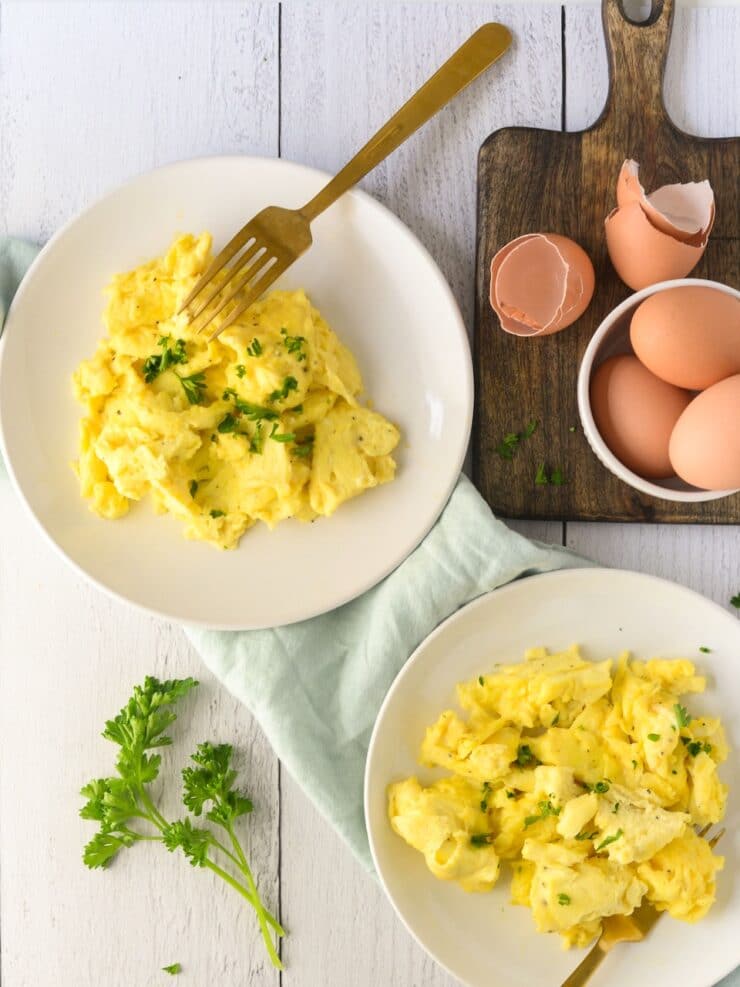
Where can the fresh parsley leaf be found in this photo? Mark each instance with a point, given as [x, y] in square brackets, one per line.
[138, 730]
[530, 429]
[304, 448]
[217, 514]
[524, 756]
[486, 793]
[615, 810]
[587, 836]
[608, 840]
[705, 650]
[563, 899]
[194, 386]
[240, 370]
[510, 442]
[193, 488]
[159, 362]
[254, 412]
[289, 384]
[173, 969]
[557, 479]
[481, 680]
[511, 795]
[255, 348]
[481, 839]
[601, 786]
[695, 747]
[653, 736]
[228, 423]
[294, 344]
[735, 601]
[281, 436]
[257, 442]
[541, 476]
[682, 716]
[546, 809]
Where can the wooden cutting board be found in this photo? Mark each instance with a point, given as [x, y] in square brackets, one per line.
[546, 181]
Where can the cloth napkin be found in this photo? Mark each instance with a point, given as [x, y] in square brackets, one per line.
[316, 687]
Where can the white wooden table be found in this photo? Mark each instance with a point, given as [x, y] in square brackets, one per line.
[91, 94]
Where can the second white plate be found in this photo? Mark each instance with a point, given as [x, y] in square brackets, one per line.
[482, 938]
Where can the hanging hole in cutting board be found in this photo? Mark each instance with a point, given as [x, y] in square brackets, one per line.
[641, 11]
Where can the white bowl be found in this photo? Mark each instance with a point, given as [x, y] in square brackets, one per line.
[483, 939]
[611, 339]
[378, 288]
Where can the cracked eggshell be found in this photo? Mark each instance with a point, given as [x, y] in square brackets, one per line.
[540, 283]
[661, 236]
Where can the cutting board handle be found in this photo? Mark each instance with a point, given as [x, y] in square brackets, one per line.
[636, 54]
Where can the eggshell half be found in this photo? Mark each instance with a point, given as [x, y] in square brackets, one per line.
[684, 211]
[643, 255]
[688, 336]
[635, 413]
[540, 283]
[705, 444]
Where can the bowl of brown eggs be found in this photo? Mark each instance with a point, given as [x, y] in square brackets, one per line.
[659, 390]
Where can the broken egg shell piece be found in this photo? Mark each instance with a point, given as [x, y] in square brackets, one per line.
[684, 211]
[643, 255]
[540, 283]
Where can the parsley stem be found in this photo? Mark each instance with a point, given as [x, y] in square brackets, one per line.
[259, 907]
[156, 817]
[264, 918]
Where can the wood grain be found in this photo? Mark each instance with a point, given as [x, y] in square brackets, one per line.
[568, 187]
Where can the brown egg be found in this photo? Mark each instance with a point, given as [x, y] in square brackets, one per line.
[661, 236]
[635, 412]
[705, 444]
[540, 283]
[688, 336]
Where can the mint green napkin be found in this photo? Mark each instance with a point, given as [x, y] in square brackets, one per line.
[316, 687]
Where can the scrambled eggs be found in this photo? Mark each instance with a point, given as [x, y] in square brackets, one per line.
[263, 423]
[587, 781]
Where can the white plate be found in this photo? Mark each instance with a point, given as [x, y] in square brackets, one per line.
[378, 288]
[482, 939]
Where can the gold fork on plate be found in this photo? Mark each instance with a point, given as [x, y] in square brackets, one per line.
[276, 237]
[622, 928]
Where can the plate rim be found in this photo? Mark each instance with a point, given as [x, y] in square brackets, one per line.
[466, 394]
[461, 614]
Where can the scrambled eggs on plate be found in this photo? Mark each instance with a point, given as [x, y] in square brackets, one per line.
[587, 780]
[261, 424]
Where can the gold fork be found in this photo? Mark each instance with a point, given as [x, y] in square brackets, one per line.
[277, 237]
[622, 928]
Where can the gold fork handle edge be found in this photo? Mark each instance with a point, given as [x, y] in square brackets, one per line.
[586, 968]
[472, 58]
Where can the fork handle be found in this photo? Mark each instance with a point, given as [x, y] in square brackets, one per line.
[480, 50]
[586, 968]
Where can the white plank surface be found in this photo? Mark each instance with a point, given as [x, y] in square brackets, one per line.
[91, 94]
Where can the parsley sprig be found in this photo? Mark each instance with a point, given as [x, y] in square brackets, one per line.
[172, 353]
[123, 807]
[289, 384]
[294, 344]
[510, 443]
[194, 386]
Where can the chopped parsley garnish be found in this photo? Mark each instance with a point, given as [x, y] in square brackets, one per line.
[304, 448]
[563, 899]
[524, 756]
[546, 809]
[735, 601]
[228, 423]
[682, 716]
[587, 836]
[653, 736]
[556, 478]
[481, 680]
[572, 428]
[695, 747]
[157, 363]
[254, 412]
[556, 720]
[240, 370]
[486, 793]
[173, 969]
[289, 384]
[511, 795]
[217, 514]
[294, 344]
[601, 787]
[705, 650]
[634, 765]
[255, 348]
[194, 386]
[193, 488]
[615, 810]
[609, 840]
[257, 442]
[481, 839]
[281, 436]
[510, 443]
